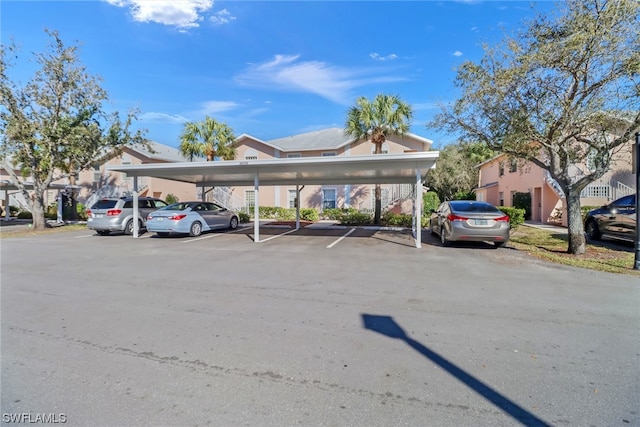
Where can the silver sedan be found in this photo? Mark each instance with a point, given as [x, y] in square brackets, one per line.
[470, 220]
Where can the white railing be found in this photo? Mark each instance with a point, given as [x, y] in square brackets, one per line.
[607, 189]
[553, 184]
[621, 190]
[225, 197]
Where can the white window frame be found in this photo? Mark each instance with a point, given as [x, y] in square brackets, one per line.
[335, 197]
[291, 196]
[250, 198]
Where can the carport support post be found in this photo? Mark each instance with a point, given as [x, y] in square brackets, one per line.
[7, 210]
[136, 217]
[297, 207]
[418, 205]
[256, 209]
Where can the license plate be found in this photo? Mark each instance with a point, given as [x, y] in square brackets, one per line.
[159, 219]
[98, 215]
[480, 222]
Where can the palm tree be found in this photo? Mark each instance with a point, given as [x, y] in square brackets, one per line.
[209, 138]
[375, 120]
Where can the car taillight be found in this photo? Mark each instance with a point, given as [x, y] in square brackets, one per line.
[452, 217]
[177, 217]
[149, 217]
[503, 218]
[88, 212]
[114, 212]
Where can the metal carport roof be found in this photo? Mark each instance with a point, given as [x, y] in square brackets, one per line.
[366, 169]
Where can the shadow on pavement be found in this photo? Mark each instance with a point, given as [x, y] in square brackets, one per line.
[385, 325]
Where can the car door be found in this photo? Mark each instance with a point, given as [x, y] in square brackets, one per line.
[218, 215]
[616, 217]
[442, 213]
[628, 214]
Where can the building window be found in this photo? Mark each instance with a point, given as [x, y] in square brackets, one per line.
[513, 166]
[501, 168]
[329, 154]
[328, 198]
[292, 199]
[293, 155]
[251, 157]
[501, 199]
[250, 198]
[96, 174]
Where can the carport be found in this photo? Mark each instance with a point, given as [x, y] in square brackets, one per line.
[406, 168]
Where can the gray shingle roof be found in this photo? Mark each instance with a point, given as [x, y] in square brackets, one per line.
[325, 139]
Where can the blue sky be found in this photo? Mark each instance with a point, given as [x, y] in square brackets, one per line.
[266, 68]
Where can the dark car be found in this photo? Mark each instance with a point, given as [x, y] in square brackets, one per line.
[116, 214]
[469, 220]
[617, 220]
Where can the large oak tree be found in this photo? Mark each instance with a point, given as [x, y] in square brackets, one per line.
[54, 125]
[566, 87]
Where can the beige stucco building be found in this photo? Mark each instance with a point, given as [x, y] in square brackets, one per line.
[500, 178]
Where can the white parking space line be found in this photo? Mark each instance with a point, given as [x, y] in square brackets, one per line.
[342, 237]
[277, 235]
[213, 235]
[84, 236]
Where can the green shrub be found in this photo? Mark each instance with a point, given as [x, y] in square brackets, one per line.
[24, 215]
[431, 201]
[171, 199]
[516, 215]
[353, 217]
[464, 195]
[244, 217]
[332, 213]
[402, 220]
[13, 210]
[309, 214]
[523, 201]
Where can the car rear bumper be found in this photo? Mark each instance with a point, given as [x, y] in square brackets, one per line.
[104, 224]
[494, 234]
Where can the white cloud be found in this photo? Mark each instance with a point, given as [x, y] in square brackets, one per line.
[377, 56]
[163, 117]
[457, 53]
[214, 107]
[178, 13]
[328, 81]
[222, 17]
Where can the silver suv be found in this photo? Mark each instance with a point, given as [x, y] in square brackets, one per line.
[116, 214]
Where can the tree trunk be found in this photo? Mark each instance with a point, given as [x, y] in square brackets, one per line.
[378, 208]
[577, 241]
[36, 204]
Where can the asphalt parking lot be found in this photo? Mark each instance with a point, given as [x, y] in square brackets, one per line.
[311, 327]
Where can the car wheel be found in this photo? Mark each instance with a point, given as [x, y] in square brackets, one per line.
[103, 232]
[196, 229]
[443, 238]
[234, 223]
[162, 234]
[128, 229]
[593, 232]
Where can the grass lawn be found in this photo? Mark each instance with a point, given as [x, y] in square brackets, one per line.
[552, 247]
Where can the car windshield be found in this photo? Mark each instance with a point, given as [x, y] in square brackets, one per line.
[176, 207]
[460, 206]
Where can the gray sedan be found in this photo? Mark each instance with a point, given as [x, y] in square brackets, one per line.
[470, 220]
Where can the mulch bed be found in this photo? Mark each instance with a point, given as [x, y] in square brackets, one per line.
[291, 224]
